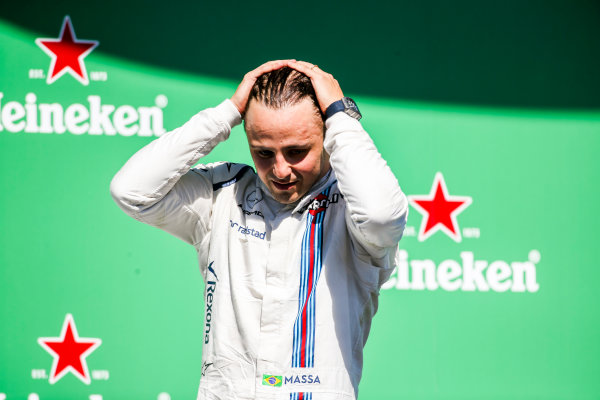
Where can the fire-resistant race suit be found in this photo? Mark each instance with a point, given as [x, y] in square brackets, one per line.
[290, 289]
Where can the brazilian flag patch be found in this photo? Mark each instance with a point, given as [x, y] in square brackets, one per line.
[271, 380]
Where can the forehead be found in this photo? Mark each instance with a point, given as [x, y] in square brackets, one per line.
[294, 125]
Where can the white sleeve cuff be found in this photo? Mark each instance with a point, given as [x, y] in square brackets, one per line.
[229, 113]
[338, 123]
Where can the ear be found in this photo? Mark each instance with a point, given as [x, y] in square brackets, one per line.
[245, 115]
[250, 101]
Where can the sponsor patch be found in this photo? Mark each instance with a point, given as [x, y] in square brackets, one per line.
[271, 380]
[245, 230]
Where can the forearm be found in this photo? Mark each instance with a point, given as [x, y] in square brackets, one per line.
[376, 205]
[153, 171]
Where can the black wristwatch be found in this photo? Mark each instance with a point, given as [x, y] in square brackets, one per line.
[347, 105]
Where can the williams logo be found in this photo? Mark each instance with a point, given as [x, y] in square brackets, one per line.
[271, 380]
[67, 54]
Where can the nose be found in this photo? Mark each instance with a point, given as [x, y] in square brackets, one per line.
[281, 168]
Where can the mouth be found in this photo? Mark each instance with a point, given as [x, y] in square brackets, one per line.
[283, 186]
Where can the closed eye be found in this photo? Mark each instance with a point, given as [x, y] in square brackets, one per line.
[297, 152]
[264, 153]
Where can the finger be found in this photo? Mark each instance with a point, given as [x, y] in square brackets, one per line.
[251, 76]
[240, 96]
[303, 68]
[270, 66]
[310, 70]
[306, 64]
[309, 66]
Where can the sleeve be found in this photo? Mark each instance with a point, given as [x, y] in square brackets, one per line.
[157, 185]
[376, 208]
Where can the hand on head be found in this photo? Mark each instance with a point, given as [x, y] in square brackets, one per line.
[283, 120]
[240, 97]
[326, 86]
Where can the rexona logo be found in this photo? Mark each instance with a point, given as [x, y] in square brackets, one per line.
[463, 271]
[92, 118]
[67, 53]
[69, 352]
[211, 286]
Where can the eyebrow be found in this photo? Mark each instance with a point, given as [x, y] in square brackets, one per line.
[291, 147]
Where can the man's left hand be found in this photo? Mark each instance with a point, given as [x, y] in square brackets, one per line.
[327, 88]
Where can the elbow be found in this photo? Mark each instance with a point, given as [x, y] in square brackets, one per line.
[121, 195]
[386, 224]
[115, 188]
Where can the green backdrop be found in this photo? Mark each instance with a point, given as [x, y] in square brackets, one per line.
[495, 107]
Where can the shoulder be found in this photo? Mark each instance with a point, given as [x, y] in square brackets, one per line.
[222, 174]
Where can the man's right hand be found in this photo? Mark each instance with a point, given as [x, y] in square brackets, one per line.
[240, 97]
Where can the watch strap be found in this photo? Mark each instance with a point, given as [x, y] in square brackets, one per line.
[345, 104]
[334, 108]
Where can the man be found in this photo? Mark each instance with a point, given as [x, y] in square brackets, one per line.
[293, 255]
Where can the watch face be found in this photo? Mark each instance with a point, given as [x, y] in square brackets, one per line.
[348, 102]
[351, 108]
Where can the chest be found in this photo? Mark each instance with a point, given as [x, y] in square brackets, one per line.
[262, 248]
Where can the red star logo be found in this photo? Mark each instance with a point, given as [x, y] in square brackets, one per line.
[69, 352]
[67, 53]
[439, 210]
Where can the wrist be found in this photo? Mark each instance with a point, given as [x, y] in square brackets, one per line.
[237, 105]
[346, 105]
[229, 113]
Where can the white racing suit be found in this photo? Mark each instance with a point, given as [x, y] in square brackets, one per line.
[290, 289]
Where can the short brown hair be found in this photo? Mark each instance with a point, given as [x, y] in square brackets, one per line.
[283, 87]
